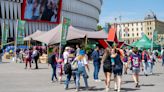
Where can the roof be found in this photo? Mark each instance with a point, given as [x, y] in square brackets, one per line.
[53, 36]
[37, 33]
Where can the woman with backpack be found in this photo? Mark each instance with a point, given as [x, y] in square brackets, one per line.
[136, 63]
[107, 67]
[82, 63]
[117, 66]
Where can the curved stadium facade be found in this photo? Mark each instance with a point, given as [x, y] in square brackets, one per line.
[84, 14]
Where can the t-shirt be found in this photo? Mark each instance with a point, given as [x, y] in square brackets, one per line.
[135, 60]
[65, 56]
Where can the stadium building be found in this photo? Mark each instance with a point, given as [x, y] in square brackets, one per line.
[84, 14]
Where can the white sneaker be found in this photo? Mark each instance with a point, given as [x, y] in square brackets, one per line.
[97, 80]
[107, 89]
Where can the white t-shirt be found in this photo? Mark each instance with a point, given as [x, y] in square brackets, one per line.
[65, 56]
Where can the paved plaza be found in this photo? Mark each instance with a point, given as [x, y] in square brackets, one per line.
[14, 78]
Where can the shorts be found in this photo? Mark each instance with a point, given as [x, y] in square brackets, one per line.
[117, 71]
[135, 70]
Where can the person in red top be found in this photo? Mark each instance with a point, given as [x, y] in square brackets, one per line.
[136, 64]
[145, 58]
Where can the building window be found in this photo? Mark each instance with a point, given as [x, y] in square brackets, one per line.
[128, 24]
[132, 24]
[148, 28]
[141, 24]
[137, 29]
[132, 29]
[137, 34]
[141, 29]
[128, 35]
[150, 23]
[124, 35]
[147, 23]
[148, 33]
[133, 34]
[137, 24]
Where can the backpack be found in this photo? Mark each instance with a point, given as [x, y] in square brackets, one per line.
[67, 68]
[145, 57]
[135, 61]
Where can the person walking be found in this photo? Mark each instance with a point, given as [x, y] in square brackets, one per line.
[77, 50]
[52, 60]
[82, 63]
[67, 68]
[136, 63]
[151, 62]
[28, 54]
[162, 56]
[35, 56]
[96, 62]
[117, 66]
[107, 67]
[145, 58]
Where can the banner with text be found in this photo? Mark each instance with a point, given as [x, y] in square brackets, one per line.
[5, 32]
[65, 26]
[20, 32]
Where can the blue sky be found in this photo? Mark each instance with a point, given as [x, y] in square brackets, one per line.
[130, 10]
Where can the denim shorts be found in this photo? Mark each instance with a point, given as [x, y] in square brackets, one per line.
[135, 70]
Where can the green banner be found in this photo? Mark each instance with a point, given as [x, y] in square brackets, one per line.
[20, 32]
[5, 32]
[65, 26]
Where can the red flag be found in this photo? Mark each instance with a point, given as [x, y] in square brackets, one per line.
[112, 35]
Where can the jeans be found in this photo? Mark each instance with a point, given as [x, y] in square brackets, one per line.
[150, 64]
[36, 62]
[69, 78]
[146, 67]
[53, 72]
[81, 71]
[162, 61]
[96, 69]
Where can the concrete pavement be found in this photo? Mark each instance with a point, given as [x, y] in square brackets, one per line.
[14, 78]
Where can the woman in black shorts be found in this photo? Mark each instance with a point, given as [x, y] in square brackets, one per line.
[107, 67]
[117, 67]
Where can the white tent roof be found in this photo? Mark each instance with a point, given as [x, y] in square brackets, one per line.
[53, 36]
[32, 36]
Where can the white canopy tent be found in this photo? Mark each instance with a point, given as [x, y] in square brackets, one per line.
[32, 36]
[53, 36]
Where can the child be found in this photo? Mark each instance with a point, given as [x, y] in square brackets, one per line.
[60, 69]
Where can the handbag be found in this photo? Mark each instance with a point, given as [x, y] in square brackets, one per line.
[74, 65]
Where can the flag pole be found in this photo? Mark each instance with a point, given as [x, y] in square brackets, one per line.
[152, 41]
[16, 39]
[2, 35]
[60, 46]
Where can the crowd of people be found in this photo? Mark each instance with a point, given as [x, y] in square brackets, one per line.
[75, 63]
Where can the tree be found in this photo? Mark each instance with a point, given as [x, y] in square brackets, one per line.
[99, 27]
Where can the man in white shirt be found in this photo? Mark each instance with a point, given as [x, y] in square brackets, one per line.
[66, 54]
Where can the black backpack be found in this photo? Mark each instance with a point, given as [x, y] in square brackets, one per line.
[145, 57]
[107, 63]
[67, 68]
